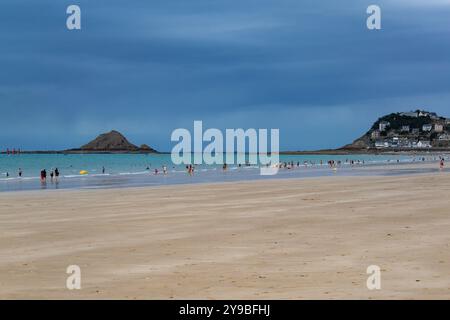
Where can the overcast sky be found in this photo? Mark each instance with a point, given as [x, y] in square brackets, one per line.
[310, 68]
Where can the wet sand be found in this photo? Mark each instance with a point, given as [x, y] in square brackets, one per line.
[274, 239]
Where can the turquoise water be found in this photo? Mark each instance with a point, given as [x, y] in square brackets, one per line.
[71, 164]
[122, 170]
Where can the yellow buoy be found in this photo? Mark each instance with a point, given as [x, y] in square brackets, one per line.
[83, 172]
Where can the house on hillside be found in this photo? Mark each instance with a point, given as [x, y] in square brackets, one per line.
[432, 115]
[427, 127]
[376, 134]
[395, 142]
[404, 129]
[380, 144]
[438, 127]
[384, 125]
[424, 144]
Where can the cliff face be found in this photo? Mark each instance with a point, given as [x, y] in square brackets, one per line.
[406, 130]
[113, 141]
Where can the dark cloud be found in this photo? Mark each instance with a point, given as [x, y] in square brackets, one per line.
[310, 68]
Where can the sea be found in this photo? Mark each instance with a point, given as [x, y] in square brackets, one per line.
[134, 170]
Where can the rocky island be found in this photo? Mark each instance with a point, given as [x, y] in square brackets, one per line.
[112, 142]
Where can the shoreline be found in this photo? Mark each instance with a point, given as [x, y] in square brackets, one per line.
[169, 187]
[213, 176]
[406, 166]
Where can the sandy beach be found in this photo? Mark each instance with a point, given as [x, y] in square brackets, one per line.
[277, 239]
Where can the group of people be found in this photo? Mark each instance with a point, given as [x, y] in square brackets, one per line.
[156, 171]
[54, 174]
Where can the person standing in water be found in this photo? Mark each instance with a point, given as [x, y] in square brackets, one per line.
[164, 170]
[103, 170]
[441, 164]
[20, 173]
[43, 175]
[56, 173]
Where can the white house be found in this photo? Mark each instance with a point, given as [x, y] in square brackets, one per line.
[424, 144]
[384, 125]
[438, 127]
[427, 127]
[404, 129]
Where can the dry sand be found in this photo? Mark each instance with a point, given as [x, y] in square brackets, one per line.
[280, 239]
